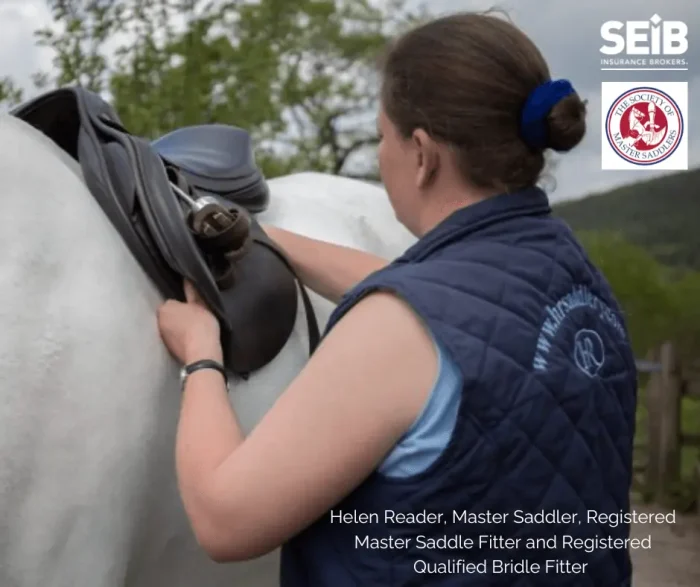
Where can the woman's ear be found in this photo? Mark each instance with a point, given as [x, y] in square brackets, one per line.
[428, 158]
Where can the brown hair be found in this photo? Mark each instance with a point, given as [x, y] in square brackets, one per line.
[464, 79]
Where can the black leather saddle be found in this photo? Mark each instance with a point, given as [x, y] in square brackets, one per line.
[217, 160]
[183, 204]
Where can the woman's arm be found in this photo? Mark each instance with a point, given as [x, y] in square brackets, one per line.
[329, 270]
[358, 394]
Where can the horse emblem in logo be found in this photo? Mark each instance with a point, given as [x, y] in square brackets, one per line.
[589, 352]
[644, 126]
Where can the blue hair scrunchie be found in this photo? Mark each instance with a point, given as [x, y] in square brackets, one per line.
[533, 118]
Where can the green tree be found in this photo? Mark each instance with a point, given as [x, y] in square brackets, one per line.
[298, 74]
[203, 73]
[686, 329]
[659, 214]
[10, 94]
[641, 285]
[78, 37]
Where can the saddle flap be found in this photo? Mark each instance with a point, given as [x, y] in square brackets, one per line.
[261, 306]
[56, 115]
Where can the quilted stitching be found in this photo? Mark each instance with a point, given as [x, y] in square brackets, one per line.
[524, 439]
[558, 469]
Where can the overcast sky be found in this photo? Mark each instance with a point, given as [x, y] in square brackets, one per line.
[567, 32]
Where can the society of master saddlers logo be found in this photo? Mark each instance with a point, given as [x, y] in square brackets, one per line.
[644, 125]
[654, 44]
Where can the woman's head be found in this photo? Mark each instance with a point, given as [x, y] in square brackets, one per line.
[451, 119]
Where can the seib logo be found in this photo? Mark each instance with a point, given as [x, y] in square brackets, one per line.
[645, 37]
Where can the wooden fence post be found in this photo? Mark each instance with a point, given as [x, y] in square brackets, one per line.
[653, 441]
[669, 404]
[691, 376]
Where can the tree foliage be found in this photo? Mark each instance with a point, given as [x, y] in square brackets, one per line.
[659, 215]
[298, 74]
[10, 94]
[640, 283]
[644, 248]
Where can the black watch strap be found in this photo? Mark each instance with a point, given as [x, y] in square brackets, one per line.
[203, 364]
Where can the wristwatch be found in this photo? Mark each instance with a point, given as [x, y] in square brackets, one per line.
[203, 364]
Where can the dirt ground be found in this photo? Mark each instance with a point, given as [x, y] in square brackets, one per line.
[674, 557]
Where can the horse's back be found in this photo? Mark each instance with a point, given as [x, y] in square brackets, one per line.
[89, 397]
[338, 209]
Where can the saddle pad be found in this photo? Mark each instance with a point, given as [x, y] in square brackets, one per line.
[130, 182]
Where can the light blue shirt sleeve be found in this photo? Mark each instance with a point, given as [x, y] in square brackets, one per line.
[425, 440]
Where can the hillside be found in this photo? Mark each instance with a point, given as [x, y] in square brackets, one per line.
[660, 214]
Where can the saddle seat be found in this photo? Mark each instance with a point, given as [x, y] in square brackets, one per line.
[217, 160]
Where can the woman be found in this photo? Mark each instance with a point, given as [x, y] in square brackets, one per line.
[481, 388]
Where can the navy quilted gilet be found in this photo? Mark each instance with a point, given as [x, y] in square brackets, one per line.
[543, 441]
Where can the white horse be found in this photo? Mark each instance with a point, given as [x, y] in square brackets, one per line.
[89, 396]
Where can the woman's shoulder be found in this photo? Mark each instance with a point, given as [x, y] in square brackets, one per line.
[386, 340]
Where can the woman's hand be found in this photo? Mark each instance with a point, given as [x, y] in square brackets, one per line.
[189, 329]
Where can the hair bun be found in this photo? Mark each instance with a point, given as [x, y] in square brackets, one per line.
[566, 123]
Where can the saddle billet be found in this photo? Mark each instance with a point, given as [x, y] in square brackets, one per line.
[133, 184]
